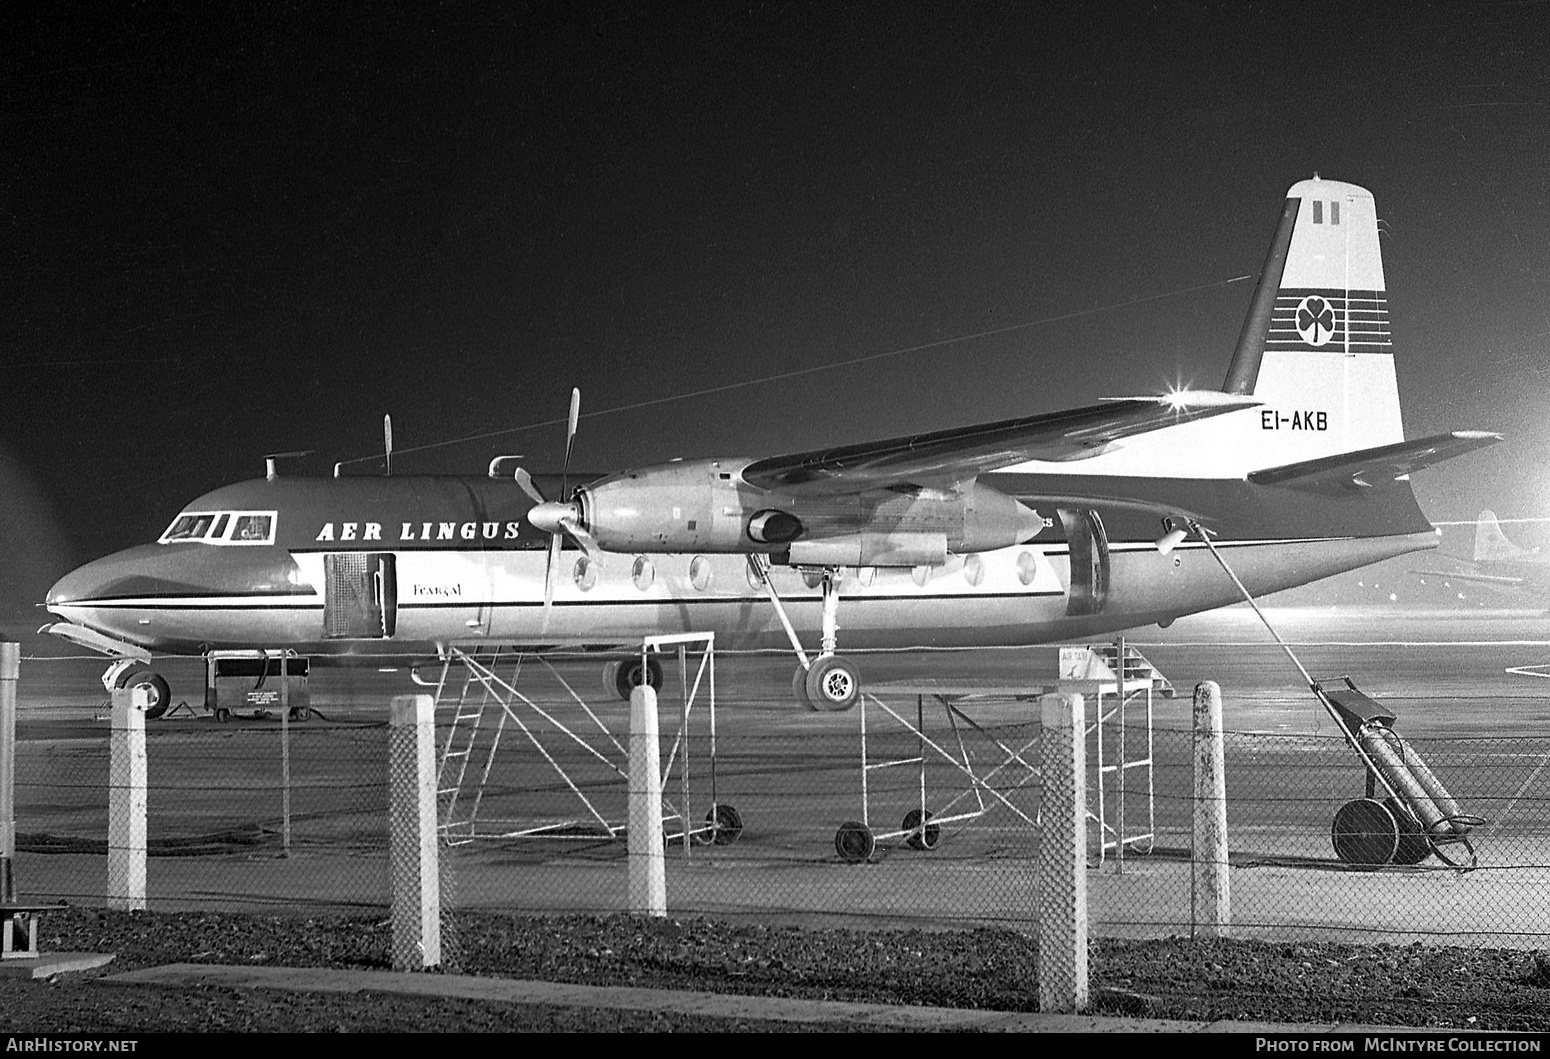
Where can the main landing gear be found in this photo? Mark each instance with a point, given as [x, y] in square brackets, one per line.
[829, 682]
[623, 675]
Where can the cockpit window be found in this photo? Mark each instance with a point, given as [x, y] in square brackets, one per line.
[222, 527]
[253, 529]
[188, 528]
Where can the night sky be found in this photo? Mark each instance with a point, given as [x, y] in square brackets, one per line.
[739, 229]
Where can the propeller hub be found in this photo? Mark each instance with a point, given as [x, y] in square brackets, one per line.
[552, 516]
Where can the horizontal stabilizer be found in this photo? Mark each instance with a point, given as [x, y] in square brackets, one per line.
[1368, 467]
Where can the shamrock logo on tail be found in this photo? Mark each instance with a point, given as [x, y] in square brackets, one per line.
[1315, 320]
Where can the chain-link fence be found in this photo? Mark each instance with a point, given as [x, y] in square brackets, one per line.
[791, 819]
[238, 815]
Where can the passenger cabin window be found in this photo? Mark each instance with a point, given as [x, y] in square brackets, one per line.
[222, 527]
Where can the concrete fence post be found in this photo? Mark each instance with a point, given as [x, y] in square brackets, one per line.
[127, 800]
[1211, 901]
[647, 871]
[413, 851]
[10, 672]
[1062, 860]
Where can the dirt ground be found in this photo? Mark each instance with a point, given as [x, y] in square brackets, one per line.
[1175, 978]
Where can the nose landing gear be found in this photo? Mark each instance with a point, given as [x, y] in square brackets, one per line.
[158, 694]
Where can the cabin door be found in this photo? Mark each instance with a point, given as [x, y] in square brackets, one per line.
[1089, 544]
[360, 597]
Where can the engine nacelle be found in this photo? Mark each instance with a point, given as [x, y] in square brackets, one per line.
[704, 506]
[685, 506]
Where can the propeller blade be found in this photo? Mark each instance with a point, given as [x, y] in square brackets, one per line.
[578, 533]
[557, 517]
[570, 440]
[570, 425]
[527, 485]
[549, 568]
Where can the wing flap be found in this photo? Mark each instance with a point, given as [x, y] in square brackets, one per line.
[1368, 467]
[959, 454]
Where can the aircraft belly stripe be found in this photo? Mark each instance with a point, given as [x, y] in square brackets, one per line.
[250, 603]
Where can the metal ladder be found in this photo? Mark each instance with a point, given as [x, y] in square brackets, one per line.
[1136, 667]
[468, 712]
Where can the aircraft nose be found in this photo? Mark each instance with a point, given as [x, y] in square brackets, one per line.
[127, 573]
[81, 584]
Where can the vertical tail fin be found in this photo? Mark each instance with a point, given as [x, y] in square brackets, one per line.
[1491, 543]
[1315, 351]
[1317, 340]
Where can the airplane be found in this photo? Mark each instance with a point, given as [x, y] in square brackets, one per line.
[1499, 563]
[1039, 529]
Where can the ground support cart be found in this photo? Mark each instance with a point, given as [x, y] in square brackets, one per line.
[1012, 765]
[486, 705]
[257, 684]
[1406, 814]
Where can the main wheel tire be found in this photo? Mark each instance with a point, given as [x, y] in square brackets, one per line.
[799, 688]
[158, 695]
[921, 837]
[833, 684]
[626, 675]
[854, 842]
[1365, 834]
[300, 713]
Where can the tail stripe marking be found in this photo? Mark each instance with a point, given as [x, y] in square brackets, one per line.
[1329, 321]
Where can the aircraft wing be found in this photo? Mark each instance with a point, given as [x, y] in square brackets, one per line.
[946, 457]
[1368, 467]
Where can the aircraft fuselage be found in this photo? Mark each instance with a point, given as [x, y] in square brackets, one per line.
[407, 565]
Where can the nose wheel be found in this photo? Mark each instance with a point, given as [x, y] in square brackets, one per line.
[158, 694]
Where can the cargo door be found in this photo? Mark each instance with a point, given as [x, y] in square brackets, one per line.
[360, 596]
[1089, 588]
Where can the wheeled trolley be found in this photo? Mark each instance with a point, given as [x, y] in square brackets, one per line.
[1406, 814]
[1011, 764]
[480, 799]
